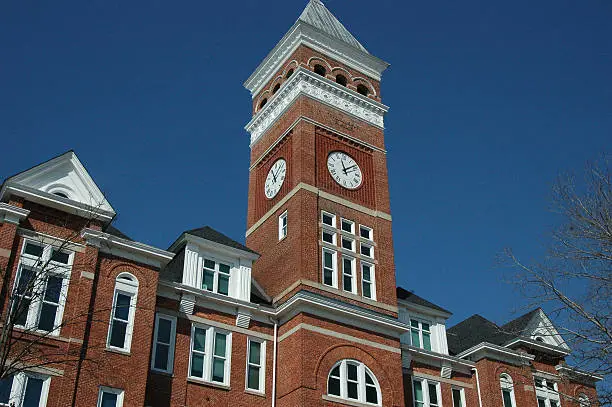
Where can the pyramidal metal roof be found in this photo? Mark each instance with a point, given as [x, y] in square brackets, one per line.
[317, 15]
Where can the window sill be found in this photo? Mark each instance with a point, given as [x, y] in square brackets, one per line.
[209, 384]
[345, 402]
[162, 373]
[255, 393]
[119, 351]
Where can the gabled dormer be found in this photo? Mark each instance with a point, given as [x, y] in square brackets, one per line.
[61, 183]
[211, 262]
[535, 333]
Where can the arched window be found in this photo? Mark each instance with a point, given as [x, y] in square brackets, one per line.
[363, 89]
[320, 70]
[263, 103]
[583, 400]
[122, 313]
[352, 380]
[276, 88]
[341, 79]
[289, 73]
[539, 339]
[507, 388]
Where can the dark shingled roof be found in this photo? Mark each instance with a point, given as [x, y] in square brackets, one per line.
[408, 296]
[111, 230]
[211, 234]
[477, 329]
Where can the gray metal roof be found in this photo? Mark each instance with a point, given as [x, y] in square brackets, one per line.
[317, 15]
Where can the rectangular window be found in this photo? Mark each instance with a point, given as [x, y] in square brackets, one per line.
[348, 274]
[368, 289]
[210, 354]
[426, 393]
[547, 393]
[348, 244]
[164, 338]
[109, 397]
[458, 398]
[282, 226]
[122, 320]
[216, 277]
[367, 250]
[24, 390]
[329, 237]
[329, 268]
[365, 232]
[347, 226]
[328, 219]
[507, 396]
[420, 334]
[40, 289]
[256, 370]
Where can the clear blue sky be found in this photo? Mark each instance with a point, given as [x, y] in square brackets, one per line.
[489, 101]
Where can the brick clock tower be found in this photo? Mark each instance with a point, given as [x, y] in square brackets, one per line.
[319, 216]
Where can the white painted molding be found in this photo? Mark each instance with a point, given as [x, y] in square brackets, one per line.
[12, 214]
[305, 82]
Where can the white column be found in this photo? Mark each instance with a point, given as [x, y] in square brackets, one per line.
[190, 268]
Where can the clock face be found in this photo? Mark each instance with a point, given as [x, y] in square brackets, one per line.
[276, 177]
[344, 170]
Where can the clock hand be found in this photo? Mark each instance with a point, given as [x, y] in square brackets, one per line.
[343, 167]
[352, 166]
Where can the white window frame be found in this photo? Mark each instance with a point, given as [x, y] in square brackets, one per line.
[261, 366]
[125, 284]
[506, 383]
[171, 345]
[333, 235]
[348, 239]
[461, 396]
[361, 383]
[283, 226]
[545, 393]
[420, 330]
[334, 267]
[118, 392]
[425, 390]
[350, 222]
[370, 232]
[372, 280]
[353, 261]
[216, 272]
[51, 267]
[208, 354]
[333, 225]
[19, 386]
[370, 245]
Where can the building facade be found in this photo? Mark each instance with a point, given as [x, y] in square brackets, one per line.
[305, 313]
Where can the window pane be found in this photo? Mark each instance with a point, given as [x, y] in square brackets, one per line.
[418, 391]
[347, 266]
[25, 281]
[223, 284]
[328, 237]
[220, 340]
[60, 257]
[348, 283]
[367, 290]
[352, 390]
[456, 398]
[118, 331]
[366, 272]
[426, 341]
[253, 378]
[369, 379]
[161, 356]
[553, 403]
[109, 399]
[255, 352]
[209, 264]
[197, 365]
[53, 289]
[327, 277]
[541, 403]
[365, 232]
[508, 398]
[164, 327]
[207, 280]
[199, 339]
[347, 244]
[366, 250]
[122, 307]
[218, 370]
[433, 394]
[328, 260]
[425, 326]
[347, 226]
[414, 323]
[21, 311]
[371, 394]
[351, 371]
[33, 249]
[333, 386]
[335, 371]
[224, 268]
[328, 220]
[46, 321]
[5, 389]
[416, 341]
[32, 392]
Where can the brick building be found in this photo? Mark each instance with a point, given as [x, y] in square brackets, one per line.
[306, 313]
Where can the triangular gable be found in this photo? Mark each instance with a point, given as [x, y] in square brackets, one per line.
[541, 328]
[62, 182]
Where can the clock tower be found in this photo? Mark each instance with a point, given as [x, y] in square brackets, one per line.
[319, 216]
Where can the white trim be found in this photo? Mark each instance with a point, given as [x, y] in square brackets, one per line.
[261, 366]
[19, 387]
[171, 345]
[573, 371]
[334, 267]
[542, 346]
[461, 391]
[283, 226]
[12, 214]
[344, 379]
[208, 354]
[425, 382]
[485, 349]
[128, 288]
[118, 392]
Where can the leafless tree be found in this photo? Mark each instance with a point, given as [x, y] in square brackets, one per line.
[574, 281]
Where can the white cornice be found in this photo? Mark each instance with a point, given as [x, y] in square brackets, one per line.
[489, 350]
[305, 82]
[12, 214]
[303, 33]
[576, 373]
[421, 309]
[214, 246]
[131, 250]
[544, 347]
[425, 356]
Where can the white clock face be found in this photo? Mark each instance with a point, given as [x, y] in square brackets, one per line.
[344, 170]
[276, 177]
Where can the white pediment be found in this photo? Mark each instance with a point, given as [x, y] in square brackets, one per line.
[62, 182]
[541, 329]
